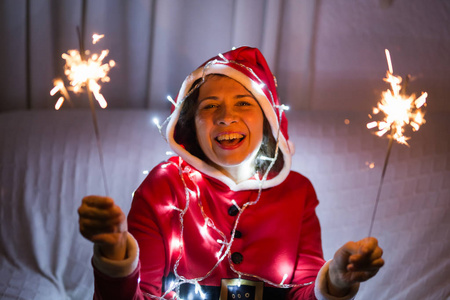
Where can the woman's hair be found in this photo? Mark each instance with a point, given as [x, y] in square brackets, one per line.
[186, 133]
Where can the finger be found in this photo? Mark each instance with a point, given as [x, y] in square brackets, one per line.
[374, 265]
[102, 223]
[366, 256]
[98, 201]
[363, 276]
[106, 238]
[85, 211]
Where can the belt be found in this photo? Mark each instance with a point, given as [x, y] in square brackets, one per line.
[231, 290]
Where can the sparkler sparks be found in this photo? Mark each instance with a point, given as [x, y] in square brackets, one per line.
[84, 72]
[400, 110]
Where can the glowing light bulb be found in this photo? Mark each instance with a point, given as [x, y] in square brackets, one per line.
[156, 122]
[283, 107]
[198, 290]
[174, 207]
[284, 279]
[235, 204]
[222, 57]
[204, 228]
[171, 100]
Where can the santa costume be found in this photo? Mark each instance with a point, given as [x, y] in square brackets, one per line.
[194, 233]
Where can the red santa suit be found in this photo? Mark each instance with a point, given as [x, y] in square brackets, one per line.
[192, 226]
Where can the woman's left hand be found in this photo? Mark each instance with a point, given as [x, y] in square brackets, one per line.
[352, 263]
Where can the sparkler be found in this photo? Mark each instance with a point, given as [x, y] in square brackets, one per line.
[400, 110]
[84, 72]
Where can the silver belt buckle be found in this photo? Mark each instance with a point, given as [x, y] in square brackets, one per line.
[241, 289]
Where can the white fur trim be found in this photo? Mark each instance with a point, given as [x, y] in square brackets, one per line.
[118, 268]
[321, 287]
[286, 147]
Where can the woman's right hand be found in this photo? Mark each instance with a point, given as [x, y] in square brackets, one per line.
[104, 223]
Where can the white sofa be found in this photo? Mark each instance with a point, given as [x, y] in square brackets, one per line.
[49, 161]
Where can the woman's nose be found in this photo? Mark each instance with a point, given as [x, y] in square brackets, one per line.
[226, 115]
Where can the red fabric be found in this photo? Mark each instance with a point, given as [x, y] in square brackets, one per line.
[280, 234]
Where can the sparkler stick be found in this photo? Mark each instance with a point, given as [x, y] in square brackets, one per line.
[85, 72]
[386, 160]
[400, 110]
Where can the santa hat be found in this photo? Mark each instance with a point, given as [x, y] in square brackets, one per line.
[247, 66]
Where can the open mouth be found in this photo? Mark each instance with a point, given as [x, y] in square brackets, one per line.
[230, 139]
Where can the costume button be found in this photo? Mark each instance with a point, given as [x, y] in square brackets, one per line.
[237, 258]
[237, 234]
[233, 210]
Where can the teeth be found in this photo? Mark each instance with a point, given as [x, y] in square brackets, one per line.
[230, 136]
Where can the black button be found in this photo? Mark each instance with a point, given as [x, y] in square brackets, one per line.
[233, 210]
[237, 258]
[237, 234]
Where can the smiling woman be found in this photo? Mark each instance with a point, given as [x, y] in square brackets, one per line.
[213, 213]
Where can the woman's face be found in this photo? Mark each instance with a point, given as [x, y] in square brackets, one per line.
[229, 122]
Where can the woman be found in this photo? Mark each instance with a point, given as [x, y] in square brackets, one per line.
[226, 217]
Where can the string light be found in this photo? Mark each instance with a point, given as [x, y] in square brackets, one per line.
[225, 244]
[262, 157]
[235, 204]
[171, 100]
[223, 57]
[156, 122]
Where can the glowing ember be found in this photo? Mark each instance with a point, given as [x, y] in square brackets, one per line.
[97, 37]
[400, 110]
[84, 72]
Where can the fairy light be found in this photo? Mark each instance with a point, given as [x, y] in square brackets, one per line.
[235, 204]
[284, 279]
[156, 122]
[226, 244]
[204, 229]
[223, 57]
[198, 290]
[263, 157]
[175, 208]
[171, 100]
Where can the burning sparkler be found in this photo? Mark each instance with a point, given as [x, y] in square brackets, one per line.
[84, 72]
[400, 110]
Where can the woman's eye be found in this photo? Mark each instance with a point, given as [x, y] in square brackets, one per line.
[243, 103]
[209, 106]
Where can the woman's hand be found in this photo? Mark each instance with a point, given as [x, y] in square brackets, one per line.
[352, 263]
[104, 223]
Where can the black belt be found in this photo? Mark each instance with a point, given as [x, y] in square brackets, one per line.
[247, 290]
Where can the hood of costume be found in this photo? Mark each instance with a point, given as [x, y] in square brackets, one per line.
[247, 66]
